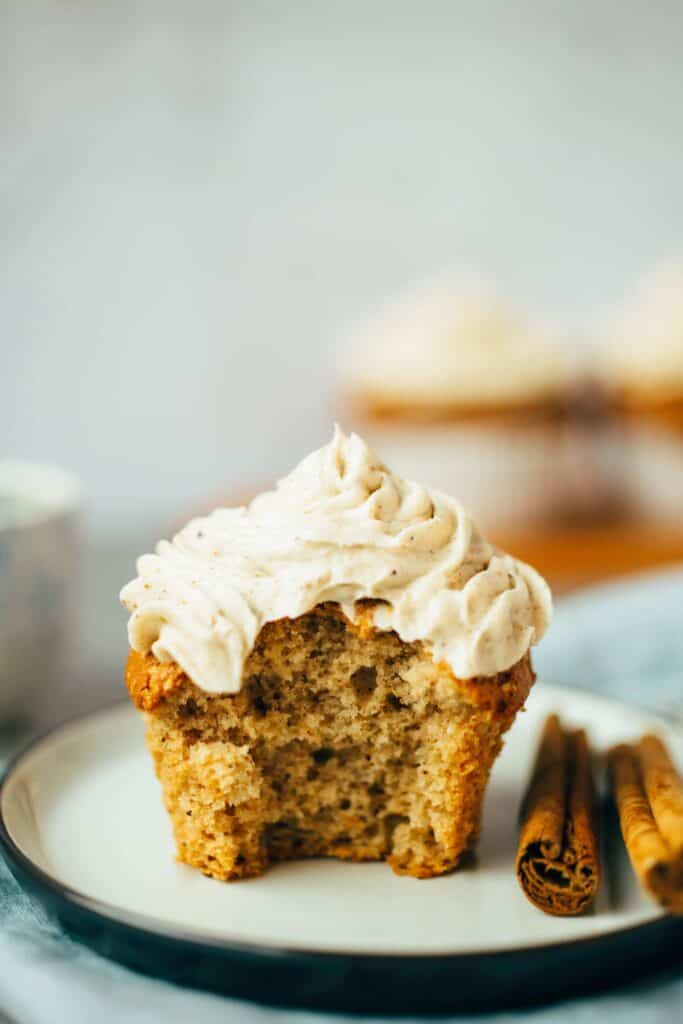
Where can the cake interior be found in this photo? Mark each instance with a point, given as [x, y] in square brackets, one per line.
[344, 741]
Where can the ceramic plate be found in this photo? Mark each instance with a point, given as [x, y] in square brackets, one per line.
[83, 827]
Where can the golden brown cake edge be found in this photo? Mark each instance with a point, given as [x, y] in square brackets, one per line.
[487, 707]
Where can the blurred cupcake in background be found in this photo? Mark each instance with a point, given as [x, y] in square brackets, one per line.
[643, 372]
[452, 388]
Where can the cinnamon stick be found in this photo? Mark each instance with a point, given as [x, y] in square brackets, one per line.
[648, 794]
[558, 857]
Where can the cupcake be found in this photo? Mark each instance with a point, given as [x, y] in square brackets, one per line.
[458, 392]
[644, 378]
[329, 671]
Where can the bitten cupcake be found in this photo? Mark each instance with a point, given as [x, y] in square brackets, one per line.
[330, 670]
[644, 378]
[460, 393]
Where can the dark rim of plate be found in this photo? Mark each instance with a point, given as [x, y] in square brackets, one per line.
[152, 928]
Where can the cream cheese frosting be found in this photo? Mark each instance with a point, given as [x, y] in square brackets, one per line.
[341, 527]
[645, 350]
[451, 344]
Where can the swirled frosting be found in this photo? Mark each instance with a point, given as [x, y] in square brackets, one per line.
[341, 527]
[450, 344]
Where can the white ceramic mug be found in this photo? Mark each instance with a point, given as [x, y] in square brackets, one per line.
[39, 519]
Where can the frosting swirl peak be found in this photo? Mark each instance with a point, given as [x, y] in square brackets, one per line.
[341, 527]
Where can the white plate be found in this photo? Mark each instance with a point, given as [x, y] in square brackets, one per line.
[82, 813]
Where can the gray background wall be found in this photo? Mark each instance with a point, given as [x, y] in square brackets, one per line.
[197, 198]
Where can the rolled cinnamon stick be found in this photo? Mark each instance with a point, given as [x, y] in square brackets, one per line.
[558, 857]
[648, 794]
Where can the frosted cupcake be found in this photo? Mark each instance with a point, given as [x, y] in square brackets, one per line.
[330, 670]
[644, 377]
[457, 391]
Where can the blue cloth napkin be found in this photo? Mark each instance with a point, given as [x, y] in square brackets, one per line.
[625, 640]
